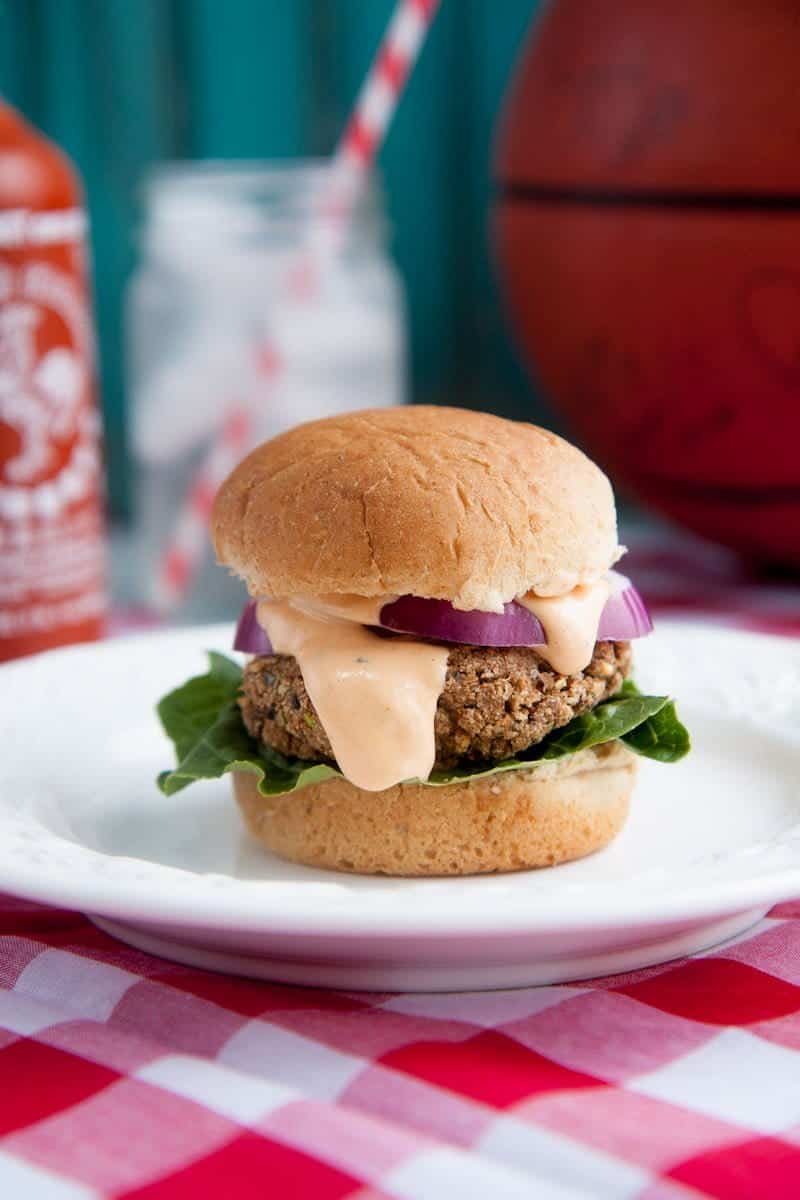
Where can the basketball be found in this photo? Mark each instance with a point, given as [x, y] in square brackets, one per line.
[647, 230]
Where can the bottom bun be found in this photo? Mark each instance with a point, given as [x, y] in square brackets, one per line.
[549, 814]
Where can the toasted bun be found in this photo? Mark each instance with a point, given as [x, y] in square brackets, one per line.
[437, 502]
[503, 822]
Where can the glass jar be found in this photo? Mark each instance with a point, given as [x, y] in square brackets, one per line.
[207, 301]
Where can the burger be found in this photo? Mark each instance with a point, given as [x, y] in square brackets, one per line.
[438, 671]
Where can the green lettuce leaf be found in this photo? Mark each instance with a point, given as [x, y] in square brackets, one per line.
[661, 736]
[203, 721]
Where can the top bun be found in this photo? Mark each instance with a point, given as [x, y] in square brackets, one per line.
[438, 502]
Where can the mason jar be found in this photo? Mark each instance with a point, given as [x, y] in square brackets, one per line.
[209, 299]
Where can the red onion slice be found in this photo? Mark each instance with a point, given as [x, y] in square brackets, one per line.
[624, 617]
[250, 637]
[437, 619]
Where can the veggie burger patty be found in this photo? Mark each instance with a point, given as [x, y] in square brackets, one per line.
[496, 702]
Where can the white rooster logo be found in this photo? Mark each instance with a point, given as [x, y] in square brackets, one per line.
[39, 400]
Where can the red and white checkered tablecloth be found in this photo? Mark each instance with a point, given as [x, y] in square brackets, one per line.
[122, 1075]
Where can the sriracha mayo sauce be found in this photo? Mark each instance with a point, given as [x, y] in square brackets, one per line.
[52, 588]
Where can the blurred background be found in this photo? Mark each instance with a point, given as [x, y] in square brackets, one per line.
[582, 214]
[122, 85]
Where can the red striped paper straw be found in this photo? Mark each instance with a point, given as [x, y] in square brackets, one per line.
[189, 538]
[363, 136]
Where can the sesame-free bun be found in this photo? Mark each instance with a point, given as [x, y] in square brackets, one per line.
[437, 502]
[508, 821]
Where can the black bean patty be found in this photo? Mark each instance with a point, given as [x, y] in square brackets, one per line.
[496, 702]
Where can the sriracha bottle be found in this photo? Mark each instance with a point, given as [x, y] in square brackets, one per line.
[52, 535]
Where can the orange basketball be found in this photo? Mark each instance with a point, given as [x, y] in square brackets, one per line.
[648, 234]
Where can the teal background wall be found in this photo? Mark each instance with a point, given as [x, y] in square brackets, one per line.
[121, 84]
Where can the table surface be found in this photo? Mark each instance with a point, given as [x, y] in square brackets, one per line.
[122, 1075]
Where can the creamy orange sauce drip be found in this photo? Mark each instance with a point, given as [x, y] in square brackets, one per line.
[366, 610]
[570, 624]
[376, 697]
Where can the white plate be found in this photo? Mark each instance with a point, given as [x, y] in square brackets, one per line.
[712, 842]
